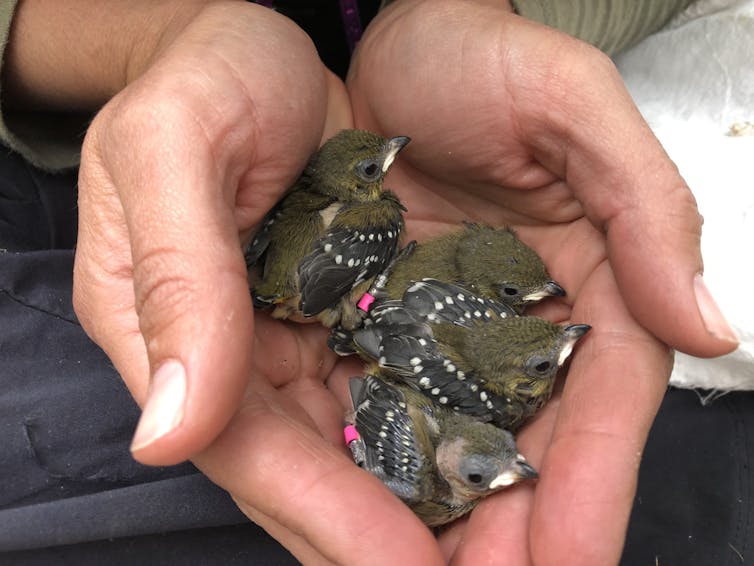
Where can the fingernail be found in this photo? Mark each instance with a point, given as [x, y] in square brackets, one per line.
[163, 411]
[713, 318]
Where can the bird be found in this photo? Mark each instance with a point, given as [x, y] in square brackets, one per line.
[431, 301]
[332, 232]
[489, 262]
[466, 353]
[439, 462]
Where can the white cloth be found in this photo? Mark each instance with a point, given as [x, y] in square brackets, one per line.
[693, 81]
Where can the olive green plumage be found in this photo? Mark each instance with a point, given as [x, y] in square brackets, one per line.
[489, 262]
[319, 248]
[480, 361]
[440, 463]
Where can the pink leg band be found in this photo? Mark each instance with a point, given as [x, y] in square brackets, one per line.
[350, 433]
[365, 302]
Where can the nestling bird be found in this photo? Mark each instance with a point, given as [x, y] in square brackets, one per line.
[495, 368]
[331, 233]
[440, 463]
[489, 262]
[431, 302]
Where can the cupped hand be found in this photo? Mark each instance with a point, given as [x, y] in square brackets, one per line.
[184, 162]
[515, 123]
[176, 170]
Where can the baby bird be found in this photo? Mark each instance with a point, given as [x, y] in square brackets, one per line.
[489, 262]
[332, 232]
[476, 360]
[432, 301]
[440, 463]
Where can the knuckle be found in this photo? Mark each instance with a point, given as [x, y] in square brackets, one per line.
[96, 285]
[165, 289]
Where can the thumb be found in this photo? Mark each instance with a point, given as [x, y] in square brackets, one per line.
[630, 189]
[160, 281]
[653, 230]
[198, 146]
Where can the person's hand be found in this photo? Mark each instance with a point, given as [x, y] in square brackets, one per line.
[176, 169]
[514, 123]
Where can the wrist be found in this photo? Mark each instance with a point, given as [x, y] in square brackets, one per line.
[87, 52]
[175, 20]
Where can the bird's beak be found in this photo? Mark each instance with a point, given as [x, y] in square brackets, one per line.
[573, 333]
[549, 289]
[520, 470]
[555, 290]
[392, 147]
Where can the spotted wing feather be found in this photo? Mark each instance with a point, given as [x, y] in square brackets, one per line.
[342, 259]
[410, 354]
[393, 313]
[440, 301]
[397, 347]
[393, 453]
[261, 240]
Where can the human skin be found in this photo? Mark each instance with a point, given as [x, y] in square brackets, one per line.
[211, 110]
[514, 123]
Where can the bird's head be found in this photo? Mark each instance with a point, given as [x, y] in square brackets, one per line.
[497, 264]
[521, 350]
[477, 459]
[351, 165]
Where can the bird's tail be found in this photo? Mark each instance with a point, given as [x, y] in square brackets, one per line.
[264, 301]
[341, 341]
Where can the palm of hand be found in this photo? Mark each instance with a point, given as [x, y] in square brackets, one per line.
[494, 139]
[585, 442]
[577, 441]
[497, 138]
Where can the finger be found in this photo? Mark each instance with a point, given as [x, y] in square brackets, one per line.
[585, 128]
[192, 152]
[295, 544]
[189, 287]
[500, 524]
[548, 107]
[271, 459]
[339, 116]
[588, 476]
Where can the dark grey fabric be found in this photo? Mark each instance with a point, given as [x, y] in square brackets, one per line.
[694, 501]
[69, 489]
[239, 545]
[70, 493]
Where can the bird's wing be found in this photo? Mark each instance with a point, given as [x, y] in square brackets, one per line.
[262, 238]
[391, 438]
[342, 259]
[385, 314]
[440, 301]
[393, 312]
[377, 290]
[410, 353]
[399, 348]
[340, 341]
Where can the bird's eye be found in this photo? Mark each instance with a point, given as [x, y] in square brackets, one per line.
[510, 290]
[369, 170]
[478, 469]
[538, 366]
[474, 478]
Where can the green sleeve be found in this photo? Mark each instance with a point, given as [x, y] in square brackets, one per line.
[610, 25]
[50, 140]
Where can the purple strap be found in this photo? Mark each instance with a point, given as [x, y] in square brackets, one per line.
[349, 11]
